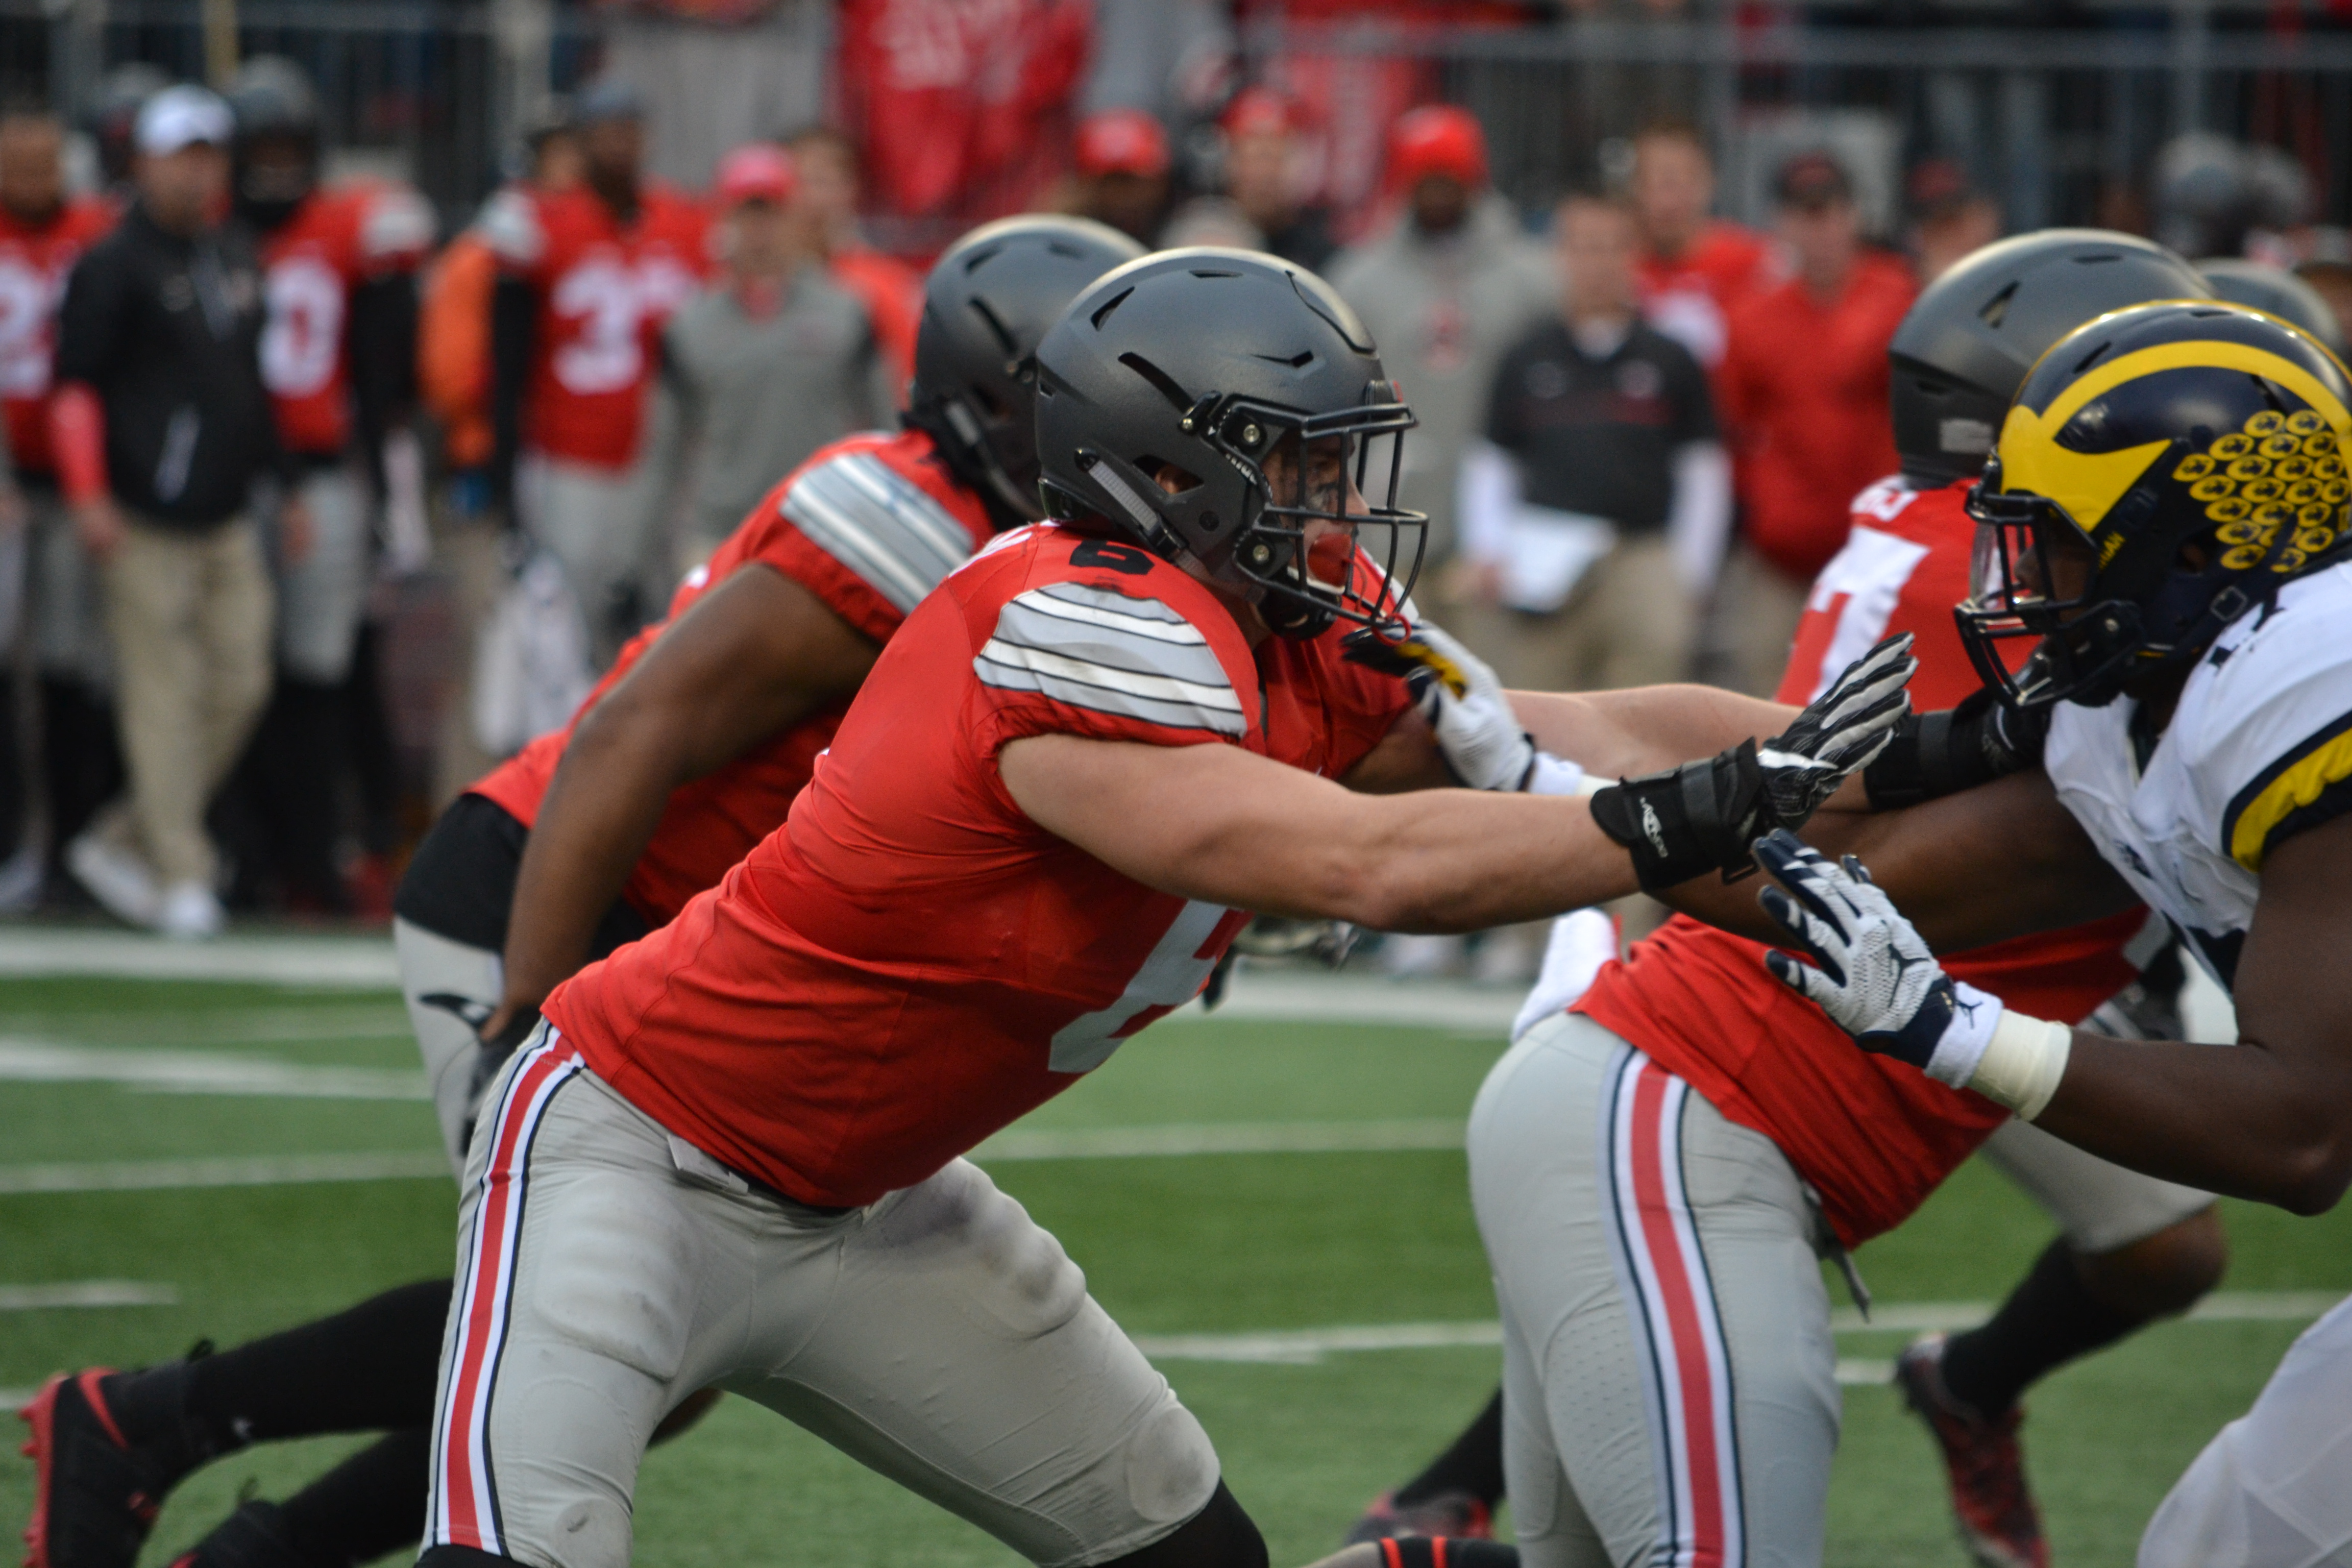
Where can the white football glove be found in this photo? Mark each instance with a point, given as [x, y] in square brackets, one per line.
[1460, 695]
[1877, 981]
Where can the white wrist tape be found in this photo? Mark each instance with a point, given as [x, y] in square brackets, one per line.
[1551, 775]
[2022, 1063]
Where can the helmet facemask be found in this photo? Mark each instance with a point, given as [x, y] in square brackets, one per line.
[2035, 576]
[1311, 549]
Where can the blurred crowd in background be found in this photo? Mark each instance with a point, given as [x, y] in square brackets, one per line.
[319, 501]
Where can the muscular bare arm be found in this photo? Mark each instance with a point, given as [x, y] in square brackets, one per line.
[1218, 824]
[2271, 1119]
[1610, 734]
[756, 653]
[1998, 861]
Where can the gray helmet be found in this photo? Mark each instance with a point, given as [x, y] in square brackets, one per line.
[273, 100]
[986, 303]
[1224, 372]
[2278, 292]
[1963, 350]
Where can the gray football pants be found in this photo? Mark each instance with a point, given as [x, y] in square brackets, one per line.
[607, 1270]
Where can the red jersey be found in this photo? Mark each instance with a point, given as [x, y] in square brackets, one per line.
[605, 288]
[869, 525]
[909, 963]
[336, 240]
[1804, 392]
[1873, 1136]
[33, 262]
[1690, 297]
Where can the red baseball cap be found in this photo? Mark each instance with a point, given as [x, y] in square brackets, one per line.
[1437, 139]
[1122, 141]
[1259, 112]
[756, 172]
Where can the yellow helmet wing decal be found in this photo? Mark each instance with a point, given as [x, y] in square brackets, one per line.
[2088, 484]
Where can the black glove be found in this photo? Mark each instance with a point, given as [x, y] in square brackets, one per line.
[1703, 816]
[1937, 754]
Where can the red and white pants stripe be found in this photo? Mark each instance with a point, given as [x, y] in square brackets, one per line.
[1670, 1396]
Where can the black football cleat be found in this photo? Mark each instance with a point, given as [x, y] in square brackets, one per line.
[95, 1493]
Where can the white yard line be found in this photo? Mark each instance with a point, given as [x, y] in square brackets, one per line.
[1303, 1347]
[201, 1072]
[267, 1170]
[85, 1293]
[340, 962]
[1222, 1138]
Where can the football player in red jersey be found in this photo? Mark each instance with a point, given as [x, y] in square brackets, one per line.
[1867, 1140]
[1035, 831]
[687, 754]
[588, 277]
[1694, 266]
[339, 357]
[42, 230]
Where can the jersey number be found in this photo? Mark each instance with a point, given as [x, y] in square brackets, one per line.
[1170, 976]
[1121, 558]
[26, 297]
[304, 335]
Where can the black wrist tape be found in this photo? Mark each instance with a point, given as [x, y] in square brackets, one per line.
[1686, 821]
[1936, 755]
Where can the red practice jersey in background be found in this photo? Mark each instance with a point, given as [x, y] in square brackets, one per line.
[1873, 1136]
[909, 963]
[336, 240]
[33, 262]
[604, 289]
[1803, 389]
[1690, 297]
[869, 525]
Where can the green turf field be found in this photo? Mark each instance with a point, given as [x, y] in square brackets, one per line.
[1205, 1244]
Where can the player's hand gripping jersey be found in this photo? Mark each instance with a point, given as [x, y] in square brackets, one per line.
[909, 963]
[33, 262]
[869, 525]
[2259, 748]
[604, 289]
[337, 240]
[1873, 1136]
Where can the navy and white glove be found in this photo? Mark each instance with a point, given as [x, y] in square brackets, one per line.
[1703, 816]
[1460, 695]
[1869, 970]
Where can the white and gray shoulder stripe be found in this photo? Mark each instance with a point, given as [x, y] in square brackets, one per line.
[1092, 648]
[881, 525]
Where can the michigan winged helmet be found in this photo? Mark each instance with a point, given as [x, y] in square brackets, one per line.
[2163, 471]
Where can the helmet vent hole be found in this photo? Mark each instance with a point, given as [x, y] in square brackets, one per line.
[1113, 304]
[1996, 309]
[1298, 360]
[2091, 359]
[1160, 379]
[996, 324]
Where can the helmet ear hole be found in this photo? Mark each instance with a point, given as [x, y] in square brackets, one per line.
[1172, 477]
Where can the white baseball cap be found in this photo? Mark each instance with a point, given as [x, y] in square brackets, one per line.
[180, 117]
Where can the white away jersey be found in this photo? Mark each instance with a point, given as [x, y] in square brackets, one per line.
[2259, 750]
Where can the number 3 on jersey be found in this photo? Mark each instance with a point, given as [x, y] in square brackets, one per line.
[305, 331]
[603, 305]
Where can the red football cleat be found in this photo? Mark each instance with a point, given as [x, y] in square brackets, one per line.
[1983, 1461]
[1455, 1514]
[95, 1497]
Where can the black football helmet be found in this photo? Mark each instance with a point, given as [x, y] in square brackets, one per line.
[122, 94]
[2276, 290]
[1217, 404]
[1968, 339]
[2163, 471]
[273, 101]
[986, 303]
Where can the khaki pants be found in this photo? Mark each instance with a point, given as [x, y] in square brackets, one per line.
[1757, 608]
[191, 615]
[1629, 622]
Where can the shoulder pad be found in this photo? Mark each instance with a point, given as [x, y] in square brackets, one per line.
[881, 525]
[510, 226]
[395, 224]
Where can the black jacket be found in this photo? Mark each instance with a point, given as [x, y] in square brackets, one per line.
[168, 331]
